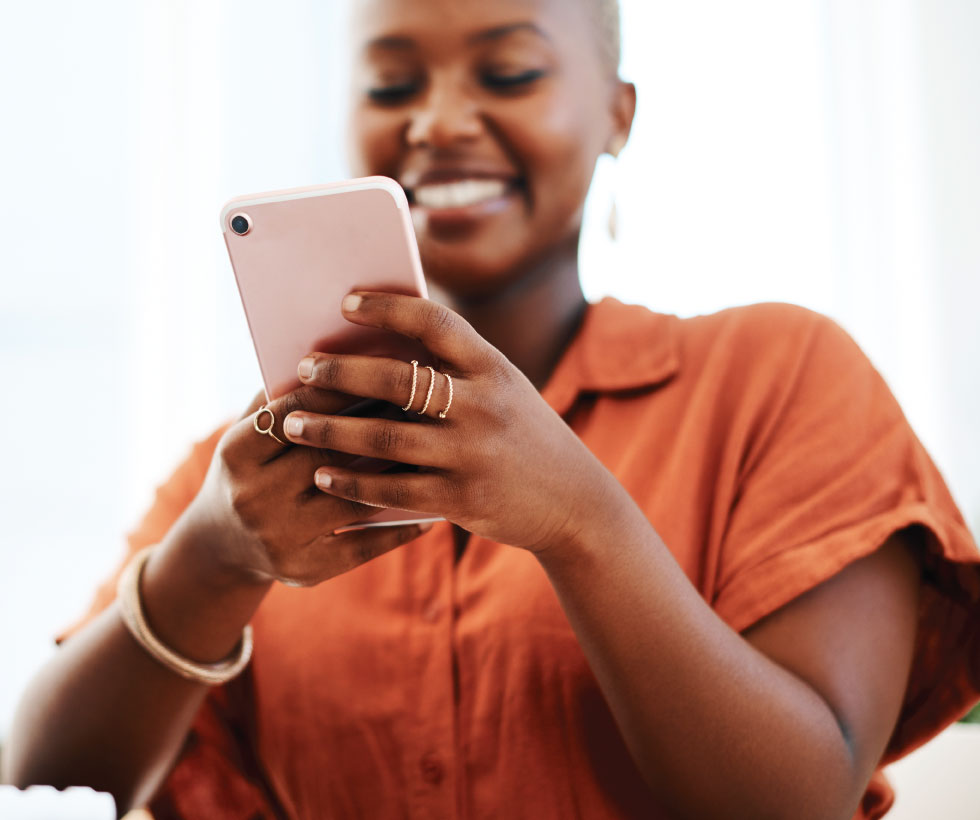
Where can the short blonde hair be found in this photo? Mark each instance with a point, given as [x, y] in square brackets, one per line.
[607, 21]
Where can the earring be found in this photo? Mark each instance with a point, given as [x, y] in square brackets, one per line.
[615, 147]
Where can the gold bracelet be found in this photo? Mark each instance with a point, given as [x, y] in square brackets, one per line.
[131, 609]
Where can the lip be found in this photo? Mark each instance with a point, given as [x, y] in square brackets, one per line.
[459, 220]
[454, 173]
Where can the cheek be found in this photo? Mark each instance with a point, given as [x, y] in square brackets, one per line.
[373, 142]
[556, 140]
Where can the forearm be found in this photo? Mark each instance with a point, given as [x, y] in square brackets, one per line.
[103, 713]
[715, 727]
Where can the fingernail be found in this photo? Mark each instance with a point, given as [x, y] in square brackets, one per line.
[351, 302]
[306, 368]
[323, 480]
[424, 528]
[294, 426]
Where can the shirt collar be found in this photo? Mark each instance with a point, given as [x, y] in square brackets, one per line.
[618, 347]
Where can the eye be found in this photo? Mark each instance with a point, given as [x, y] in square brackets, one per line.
[512, 81]
[392, 94]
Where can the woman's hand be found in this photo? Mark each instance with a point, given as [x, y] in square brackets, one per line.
[502, 464]
[261, 515]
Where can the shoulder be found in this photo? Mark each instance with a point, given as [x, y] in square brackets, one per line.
[763, 327]
[775, 344]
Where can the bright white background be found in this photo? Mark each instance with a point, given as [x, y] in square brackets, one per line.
[823, 152]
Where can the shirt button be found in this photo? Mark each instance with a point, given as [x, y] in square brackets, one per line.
[432, 612]
[432, 769]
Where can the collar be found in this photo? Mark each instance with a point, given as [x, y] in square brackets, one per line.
[618, 347]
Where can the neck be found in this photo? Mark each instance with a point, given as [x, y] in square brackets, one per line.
[532, 321]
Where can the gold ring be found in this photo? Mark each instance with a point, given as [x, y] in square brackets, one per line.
[449, 403]
[415, 384]
[428, 396]
[272, 423]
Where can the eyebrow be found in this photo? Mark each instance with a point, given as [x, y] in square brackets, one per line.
[499, 32]
[399, 43]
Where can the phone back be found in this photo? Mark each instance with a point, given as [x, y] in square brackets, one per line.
[302, 251]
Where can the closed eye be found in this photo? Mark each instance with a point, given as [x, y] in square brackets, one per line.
[392, 94]
[508, 82]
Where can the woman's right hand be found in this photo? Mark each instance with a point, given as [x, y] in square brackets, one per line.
[260, 515]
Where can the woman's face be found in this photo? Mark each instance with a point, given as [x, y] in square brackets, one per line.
[491, 114]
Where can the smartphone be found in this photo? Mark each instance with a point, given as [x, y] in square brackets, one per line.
[296, 253]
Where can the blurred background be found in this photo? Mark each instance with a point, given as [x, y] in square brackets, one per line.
[822, 152]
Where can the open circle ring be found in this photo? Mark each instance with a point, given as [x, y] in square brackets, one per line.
[272, 423]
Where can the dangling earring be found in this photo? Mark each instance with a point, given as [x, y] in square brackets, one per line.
[613, 225]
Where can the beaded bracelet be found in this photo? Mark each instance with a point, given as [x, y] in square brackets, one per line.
[131, 609]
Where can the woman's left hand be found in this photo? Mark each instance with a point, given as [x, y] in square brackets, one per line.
[502, 464]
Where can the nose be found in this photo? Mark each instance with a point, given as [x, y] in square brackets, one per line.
[445, 116]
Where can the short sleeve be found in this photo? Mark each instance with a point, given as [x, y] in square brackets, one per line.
[832, 470]
[216, 775]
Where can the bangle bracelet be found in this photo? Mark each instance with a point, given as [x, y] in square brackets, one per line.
[131, 609]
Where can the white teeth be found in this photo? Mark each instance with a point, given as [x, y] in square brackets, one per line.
[459, 194]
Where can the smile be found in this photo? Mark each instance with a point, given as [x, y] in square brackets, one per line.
[459, 194]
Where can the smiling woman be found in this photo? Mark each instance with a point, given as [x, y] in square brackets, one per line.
[492, 120]
[690, 567]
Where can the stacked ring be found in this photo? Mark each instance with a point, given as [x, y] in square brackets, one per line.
[428, 394]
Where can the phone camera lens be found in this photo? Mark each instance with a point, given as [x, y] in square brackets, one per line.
[241, 224]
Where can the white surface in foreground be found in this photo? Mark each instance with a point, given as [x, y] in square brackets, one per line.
[47, 803]
[942, 779]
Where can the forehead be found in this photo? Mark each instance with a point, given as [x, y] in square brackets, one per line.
[455, 22]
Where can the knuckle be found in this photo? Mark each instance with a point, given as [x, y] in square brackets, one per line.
[286, 405]
[319, 433]
[354, 510]
[327, 371]
[385, 439]
[395, 494]
[439, 320]
[351, 488]
[243, 501]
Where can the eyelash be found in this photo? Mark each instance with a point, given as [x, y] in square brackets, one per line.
[394, 94]
[509, 81]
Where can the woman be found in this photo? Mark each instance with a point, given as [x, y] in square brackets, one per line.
[696, 568]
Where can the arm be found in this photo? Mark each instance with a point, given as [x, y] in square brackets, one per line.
[103, 713]
[788, 720]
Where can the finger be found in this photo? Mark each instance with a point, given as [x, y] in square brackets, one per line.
[409, 386]
[445, 333]
[255, 436]
[290, 479]
[331, 555]
[425, 493]
[400, 441]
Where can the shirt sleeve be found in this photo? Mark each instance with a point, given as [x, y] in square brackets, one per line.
[216, 775]
[832, 470]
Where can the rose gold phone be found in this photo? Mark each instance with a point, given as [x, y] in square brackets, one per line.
[297, 253]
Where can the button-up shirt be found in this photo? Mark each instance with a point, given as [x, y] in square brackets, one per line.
[766, 451]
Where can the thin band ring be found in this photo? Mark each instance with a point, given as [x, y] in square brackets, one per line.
[449, 403]
[272, 423]
[428, 396]
[415, 384]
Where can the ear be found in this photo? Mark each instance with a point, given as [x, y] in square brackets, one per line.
[623, 111]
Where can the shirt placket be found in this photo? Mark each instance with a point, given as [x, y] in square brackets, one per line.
[431, 764]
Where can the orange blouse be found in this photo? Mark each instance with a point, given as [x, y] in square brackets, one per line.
[766, 451]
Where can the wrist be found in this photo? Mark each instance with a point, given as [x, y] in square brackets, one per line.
[608, 516]
[195, 603]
